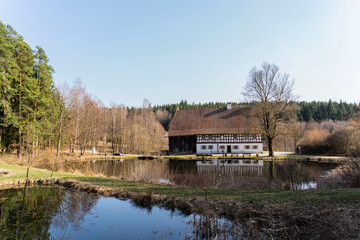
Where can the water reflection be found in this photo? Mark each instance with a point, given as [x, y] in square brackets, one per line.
[235, 173]
[231, 167]
[80, 215]
[297, 175]
[35, 222]
[72, 211]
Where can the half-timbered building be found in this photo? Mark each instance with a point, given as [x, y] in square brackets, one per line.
[214, 130]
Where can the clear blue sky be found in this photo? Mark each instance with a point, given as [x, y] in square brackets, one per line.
[198, 51]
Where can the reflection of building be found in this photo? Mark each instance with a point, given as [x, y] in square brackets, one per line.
[214, 130]
[231, 167]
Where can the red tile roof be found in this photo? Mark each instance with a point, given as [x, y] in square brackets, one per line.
[211, 121]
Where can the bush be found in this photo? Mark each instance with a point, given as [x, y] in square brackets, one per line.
[330, 138]
[313, 141]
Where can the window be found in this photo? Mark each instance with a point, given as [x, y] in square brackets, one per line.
[222, 147]
[242, 137]
[247, 146]
[210, 147]
[236, 147]
[254, 147]
[203, 147]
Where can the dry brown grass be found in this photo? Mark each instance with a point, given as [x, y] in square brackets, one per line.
[48, 156]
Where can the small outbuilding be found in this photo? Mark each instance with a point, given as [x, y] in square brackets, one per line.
[229, 130]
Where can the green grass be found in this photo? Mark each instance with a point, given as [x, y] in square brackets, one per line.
[19, 172]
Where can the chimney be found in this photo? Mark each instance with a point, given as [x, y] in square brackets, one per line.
[228, 106]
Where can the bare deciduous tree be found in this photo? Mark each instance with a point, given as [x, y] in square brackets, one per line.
[272, 93]
[295, 130]
[62, 103]
[164, 118]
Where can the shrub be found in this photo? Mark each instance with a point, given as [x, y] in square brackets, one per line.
[314, 142]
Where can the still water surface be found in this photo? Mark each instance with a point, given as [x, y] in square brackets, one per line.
[207, 173]
[63, 214]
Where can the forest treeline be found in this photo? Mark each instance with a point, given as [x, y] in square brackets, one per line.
[330, 110]
[29, 106]
[35, 114]
[307, 111]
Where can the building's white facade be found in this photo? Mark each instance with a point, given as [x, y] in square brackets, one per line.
[229, 144]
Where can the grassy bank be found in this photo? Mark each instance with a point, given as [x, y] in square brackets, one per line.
[16, 172]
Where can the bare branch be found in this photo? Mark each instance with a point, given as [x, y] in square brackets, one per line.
[272, 92]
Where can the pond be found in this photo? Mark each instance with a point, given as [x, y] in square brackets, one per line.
[235, 173]
[55, 213]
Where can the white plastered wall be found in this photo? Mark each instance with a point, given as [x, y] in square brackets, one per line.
[205, 148]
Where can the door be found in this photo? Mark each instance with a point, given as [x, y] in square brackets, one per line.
[228, 149]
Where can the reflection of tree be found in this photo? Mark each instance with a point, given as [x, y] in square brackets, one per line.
[73, 209]
[33, 222]
[295, 173]
[282, 169]
[149, 171]
[138, 170]
[62, 209]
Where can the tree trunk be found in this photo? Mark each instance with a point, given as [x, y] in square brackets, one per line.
[33, 149]
[113, 130]
[37, 145]
[70, 146]
[77, 125]
[271, 169]
[82, 150]
[59, 136]
[270, 145]
[19, 148]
